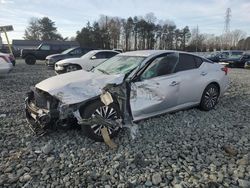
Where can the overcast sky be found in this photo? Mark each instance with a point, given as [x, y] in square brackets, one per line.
[72, 15]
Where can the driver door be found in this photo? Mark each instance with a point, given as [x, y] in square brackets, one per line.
[156, 90]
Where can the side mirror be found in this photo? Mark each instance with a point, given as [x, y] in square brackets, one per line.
[93, 57]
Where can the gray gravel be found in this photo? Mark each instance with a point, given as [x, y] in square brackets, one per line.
[189, 148]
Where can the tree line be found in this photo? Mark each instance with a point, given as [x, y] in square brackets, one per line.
[139, 33]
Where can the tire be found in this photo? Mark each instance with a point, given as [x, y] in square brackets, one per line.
[30, 60]
[94, 131]
[71, 68]
[209, 97]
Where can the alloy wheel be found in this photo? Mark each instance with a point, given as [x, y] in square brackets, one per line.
[108, 113]
[211, 97]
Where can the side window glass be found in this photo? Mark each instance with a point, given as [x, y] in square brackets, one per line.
[160, 66]
[110, 54]
[225, 55]
[45, 47]
[100, 55]
[198, 61]
[236, 54]
[186, 62]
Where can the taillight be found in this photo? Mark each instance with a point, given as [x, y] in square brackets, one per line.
[5, 58]
[225, 69]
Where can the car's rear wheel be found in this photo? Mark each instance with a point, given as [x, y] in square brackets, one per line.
[30, 60]
[110, 112]
[209, 97]
[71, 68]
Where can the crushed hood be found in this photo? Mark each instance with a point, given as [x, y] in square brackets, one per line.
[78, 86]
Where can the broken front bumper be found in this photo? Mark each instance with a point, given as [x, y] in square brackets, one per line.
[38, 119]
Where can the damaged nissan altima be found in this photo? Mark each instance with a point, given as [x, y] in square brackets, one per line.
[126, 88]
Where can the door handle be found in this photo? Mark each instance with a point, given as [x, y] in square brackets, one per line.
[203, 73]
[174, 83]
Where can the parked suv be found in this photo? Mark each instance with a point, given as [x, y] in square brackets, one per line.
[69, 53]
[45, 49]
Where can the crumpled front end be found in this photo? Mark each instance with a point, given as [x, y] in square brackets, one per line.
[41, 110]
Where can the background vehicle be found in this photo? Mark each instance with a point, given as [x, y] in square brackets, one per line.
[86, 62]
[10, 57]
[247, 65]
[239, 63]
[225, 56]
[148, 83]
[69, 53]
[45, 49]
[5, 49]
[5, 64]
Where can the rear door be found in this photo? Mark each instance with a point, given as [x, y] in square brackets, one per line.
[156, 89]
[193, 75]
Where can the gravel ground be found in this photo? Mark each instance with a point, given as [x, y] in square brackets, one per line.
[189, 148]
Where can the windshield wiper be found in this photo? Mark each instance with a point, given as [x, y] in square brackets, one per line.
[103, 71]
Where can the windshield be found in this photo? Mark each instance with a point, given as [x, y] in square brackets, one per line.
[67, 51]
[119, 64]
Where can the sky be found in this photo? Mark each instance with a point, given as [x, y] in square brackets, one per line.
[71, 15]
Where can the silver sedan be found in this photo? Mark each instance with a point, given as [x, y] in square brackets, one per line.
[128, 87]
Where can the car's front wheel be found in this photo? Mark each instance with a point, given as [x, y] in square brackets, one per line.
[209, 97]
[97, 108]
[71, 68]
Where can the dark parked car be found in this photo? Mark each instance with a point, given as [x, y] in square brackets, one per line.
[239, 63]
[69, 53]
[45, 49]
[225, 56]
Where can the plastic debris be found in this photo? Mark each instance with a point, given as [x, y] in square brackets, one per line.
[107, 139]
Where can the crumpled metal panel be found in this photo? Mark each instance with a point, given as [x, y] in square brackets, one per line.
[78, 86]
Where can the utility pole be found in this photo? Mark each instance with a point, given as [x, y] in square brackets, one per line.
[227, 20]
[196, 38]
[227, 26]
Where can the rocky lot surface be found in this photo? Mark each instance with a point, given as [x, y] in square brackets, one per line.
[189, 148]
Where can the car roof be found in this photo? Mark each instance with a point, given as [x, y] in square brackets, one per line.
[95, 51]
[147, 53]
